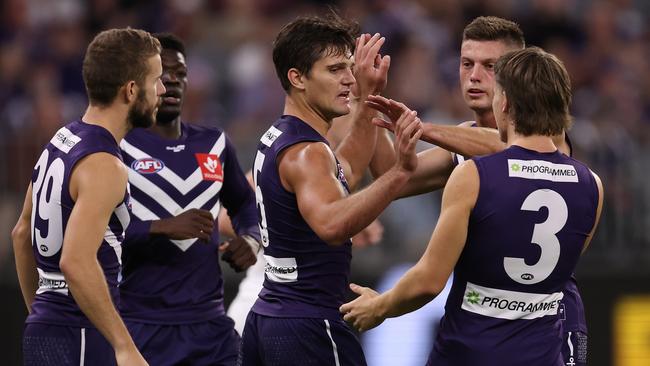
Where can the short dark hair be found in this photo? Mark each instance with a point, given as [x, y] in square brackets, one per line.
[303, 41]
[538, 89]
[494, 29]
[113, 58]
[169, 41]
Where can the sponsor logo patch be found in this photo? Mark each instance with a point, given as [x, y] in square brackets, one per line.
[64, 140]
[281, 269]
[543, 170]
[210, 166]
[270, 136]
[504, 304]
[147, 165]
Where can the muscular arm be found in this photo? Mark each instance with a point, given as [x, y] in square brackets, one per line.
[309, 170]
[428, 277]
[463, 139]
[23, 253]
[97, 184]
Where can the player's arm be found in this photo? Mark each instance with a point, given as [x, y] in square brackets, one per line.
[308, 170]
[371, 73]
[599, 209]
[97, 184]
[461, 139]
[23, 252]
[239, 200]
[428, 277]
[434, 166]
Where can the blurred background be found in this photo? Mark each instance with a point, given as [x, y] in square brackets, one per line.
[232, 84]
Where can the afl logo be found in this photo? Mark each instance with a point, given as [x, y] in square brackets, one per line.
[147, 165]
[527, 277]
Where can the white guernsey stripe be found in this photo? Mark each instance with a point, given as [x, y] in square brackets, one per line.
[504, 304]
[142, 212]
[334, 347]
[570, 345]
[82, 355]
[154, 192]
[542, 170]
[167, 202]
[182, 185]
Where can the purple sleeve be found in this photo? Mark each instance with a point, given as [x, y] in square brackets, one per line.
[238, 196]
[137, 231]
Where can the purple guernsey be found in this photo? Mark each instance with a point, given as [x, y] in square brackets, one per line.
[525, 236]
[51, 208]
[304, 276]
[179, 281]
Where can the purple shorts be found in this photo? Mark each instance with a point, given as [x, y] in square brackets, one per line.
[574, 349]
[55, 345]
[273, 341]
[213, 342]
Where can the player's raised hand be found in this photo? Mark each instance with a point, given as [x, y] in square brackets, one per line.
[389, 108]
[362, 313]
[240, 253]
[370, 67]
[408, 130]
[193, 223]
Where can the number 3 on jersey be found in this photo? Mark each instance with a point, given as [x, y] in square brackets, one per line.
[543, 235]
[257, 168]
[46, 200]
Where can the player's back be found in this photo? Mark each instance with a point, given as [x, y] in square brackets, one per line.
[51, 208]
[304, 276]
[526, 233]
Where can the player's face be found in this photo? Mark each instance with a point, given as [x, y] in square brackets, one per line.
[143, 111]
[328, 85]
[477, 59]
[498, 107]
[175, 80]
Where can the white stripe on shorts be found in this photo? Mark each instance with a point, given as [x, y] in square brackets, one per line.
[335, 349]
[83, 347]
[570, 344]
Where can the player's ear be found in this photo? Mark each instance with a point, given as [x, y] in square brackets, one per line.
[296, 78]
[505, 106]
[130, 91]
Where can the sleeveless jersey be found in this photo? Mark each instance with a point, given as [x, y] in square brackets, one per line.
[525, 236]
[572, 310]
[179, 281]
[51, 209]
[304, 276]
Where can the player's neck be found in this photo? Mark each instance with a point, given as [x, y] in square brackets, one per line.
[298, 108]
[537, 143]
[168, 130]
[485, 118]
[111, 118]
